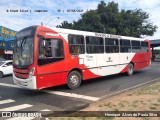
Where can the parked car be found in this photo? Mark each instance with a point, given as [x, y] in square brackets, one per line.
[2, 59]
[6, 68]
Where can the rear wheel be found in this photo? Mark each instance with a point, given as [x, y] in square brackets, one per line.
[1, 74]
[130, 69]
[74, 80]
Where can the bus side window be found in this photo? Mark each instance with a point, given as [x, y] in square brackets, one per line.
[144, 46]
[53, 51]
[125, 46]
[111, 45]
[94, 44]
[76, 44]
[136, 47]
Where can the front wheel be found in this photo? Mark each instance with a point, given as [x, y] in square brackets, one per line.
[130, 69]
[74, 80]
[1, 74]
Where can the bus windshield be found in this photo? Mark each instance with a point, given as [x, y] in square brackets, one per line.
[23, 51]
[23, 47]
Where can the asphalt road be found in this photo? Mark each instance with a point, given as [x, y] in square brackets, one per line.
[63, 99]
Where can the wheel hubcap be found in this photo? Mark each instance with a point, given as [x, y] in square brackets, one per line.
[74, 80]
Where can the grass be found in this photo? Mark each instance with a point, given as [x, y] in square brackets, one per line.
[148, 100]
[83, 118]
[152, 108]
[141, 101]
[134, 105]
[149, 90]
[144, 99]
[108, 104]
[105, 118]
[100, 105]
[129, 94]
[116, 109]
[121, 105]
[146, 118]
[158, 100]
[156, 104]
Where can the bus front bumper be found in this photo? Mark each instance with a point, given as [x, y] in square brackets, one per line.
[29, 83]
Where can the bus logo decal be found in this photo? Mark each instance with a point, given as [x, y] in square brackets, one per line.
[109, 59]
[51, 34]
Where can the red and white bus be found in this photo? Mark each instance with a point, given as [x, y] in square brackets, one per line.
[46, 56]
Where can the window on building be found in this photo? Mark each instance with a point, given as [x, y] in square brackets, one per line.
[136, 47]
[76, 44]
[50, 50]
[125, 46]
[111, 45]
[144, 46]
[94, 45]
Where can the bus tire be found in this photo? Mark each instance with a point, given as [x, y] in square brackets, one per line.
[74, 80]
[1, 74]
[130, 69]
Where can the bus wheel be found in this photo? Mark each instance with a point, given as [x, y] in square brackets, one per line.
[74, 80]
[1, 74]
[130, 69]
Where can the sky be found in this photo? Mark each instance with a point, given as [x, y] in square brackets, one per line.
[54, 12]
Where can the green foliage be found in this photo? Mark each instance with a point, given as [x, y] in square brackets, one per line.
[107, 18]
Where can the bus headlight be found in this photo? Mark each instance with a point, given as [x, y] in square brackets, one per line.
[31, 72]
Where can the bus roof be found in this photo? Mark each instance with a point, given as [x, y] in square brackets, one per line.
[86, 33]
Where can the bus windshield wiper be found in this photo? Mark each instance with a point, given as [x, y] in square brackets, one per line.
[22, 43]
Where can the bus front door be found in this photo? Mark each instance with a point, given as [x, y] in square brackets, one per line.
[90, 61]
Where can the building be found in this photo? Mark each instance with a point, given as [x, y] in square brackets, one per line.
[6, 42]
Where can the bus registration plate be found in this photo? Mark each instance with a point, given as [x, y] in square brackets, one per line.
[18, 82]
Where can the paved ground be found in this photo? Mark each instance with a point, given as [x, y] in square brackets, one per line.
[63, 99]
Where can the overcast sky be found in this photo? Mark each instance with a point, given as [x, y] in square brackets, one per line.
[60, 8]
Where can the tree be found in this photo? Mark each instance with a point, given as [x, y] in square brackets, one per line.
[65, 24]
[107, 18]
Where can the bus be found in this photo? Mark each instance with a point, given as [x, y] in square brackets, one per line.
[46, 56]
